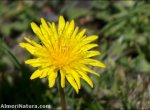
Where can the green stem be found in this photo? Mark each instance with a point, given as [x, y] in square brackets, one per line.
[62, 96]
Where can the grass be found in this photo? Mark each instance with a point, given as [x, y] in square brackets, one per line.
[124, 37]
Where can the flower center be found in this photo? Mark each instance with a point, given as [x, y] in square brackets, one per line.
[62, 56]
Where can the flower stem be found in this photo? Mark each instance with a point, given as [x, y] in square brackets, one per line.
[62, 96]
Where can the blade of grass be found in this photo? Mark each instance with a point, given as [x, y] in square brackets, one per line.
[7, 51]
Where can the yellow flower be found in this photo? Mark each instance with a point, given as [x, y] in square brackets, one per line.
[63, 51]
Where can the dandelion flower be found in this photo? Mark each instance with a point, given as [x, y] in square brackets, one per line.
[62, 50]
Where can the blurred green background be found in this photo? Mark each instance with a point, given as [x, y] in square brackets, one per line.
[124, 41]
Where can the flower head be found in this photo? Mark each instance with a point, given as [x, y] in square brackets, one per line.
[62, 50]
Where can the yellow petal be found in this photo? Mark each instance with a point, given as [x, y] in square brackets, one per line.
[74, 33]
[86, 78]
[93, 62]
[33, 62]
[88, 47]
[66, 27]
[72, 82]
[37, 51]
[69, 29]
[80, 34]
[48, 39]
[36, 30]
[52, 77]
[32, 42]
[92, 53]
[44, 22]
[45, 36]
[85, 68]
[54, 32]
[76, 77]
[36, 62]
[45, 72]
[62, 73]
[45, 26]
[28, 47]
[61, 25]
[90, 39]
[36, 74]
[83, 46]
